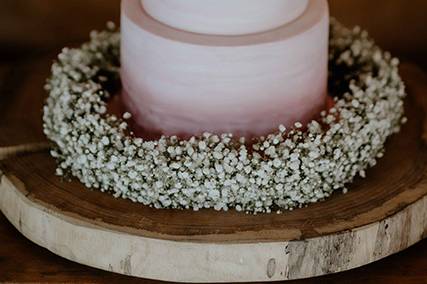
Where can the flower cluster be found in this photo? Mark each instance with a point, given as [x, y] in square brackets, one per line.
[284, 170]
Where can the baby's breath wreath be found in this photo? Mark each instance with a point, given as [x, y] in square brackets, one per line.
[284, 170]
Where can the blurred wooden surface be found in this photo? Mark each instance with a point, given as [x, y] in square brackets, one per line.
[32, 28]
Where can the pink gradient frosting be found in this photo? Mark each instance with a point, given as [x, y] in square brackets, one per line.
[178, 82]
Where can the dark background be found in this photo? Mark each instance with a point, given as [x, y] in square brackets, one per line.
[29, 27]
[32, 29]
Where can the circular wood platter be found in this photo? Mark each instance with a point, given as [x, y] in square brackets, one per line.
[380, 215]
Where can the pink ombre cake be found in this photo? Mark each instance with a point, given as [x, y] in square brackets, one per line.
[235, 66]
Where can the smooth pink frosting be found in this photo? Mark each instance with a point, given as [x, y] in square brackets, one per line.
[178, 82]
[225, 17]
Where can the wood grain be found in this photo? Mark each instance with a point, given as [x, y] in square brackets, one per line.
[23, 261]
[380, 215]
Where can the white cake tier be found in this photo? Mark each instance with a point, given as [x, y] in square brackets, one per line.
[178, 82]
[225, 17]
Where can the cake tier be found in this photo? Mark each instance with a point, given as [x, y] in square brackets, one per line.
[177, 82]
[225, 17]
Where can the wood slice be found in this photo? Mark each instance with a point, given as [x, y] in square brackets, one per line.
[380, 215]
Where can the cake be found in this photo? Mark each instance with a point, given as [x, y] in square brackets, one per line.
[223, 66]
[202, 82]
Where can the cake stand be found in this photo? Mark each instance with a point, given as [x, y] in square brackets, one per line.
[379, 216]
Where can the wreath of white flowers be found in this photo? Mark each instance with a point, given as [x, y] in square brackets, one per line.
[284, 170]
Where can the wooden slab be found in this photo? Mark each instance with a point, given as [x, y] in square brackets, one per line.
[380, 215]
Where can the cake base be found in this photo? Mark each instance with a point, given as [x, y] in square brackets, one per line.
[380, 215]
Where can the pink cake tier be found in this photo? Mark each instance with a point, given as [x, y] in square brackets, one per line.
[225, 17]
[180, 82]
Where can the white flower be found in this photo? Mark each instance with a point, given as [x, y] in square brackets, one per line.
[127, 115]
[285, 169]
